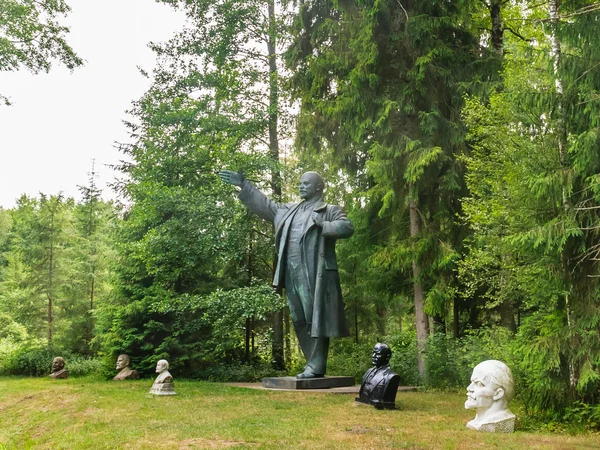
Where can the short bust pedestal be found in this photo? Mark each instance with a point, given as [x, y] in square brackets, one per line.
[127, 374]
[376, 403]
[163, 389]
[505, 425]
[60, 375]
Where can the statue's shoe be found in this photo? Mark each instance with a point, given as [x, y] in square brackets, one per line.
[308, 374]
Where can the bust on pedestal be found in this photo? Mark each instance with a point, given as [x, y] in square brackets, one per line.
[58, 369]
[491, 390]
[163, 385]
[125, 372]
[380, 384]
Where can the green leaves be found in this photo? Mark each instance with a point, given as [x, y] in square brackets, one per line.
[32, 38]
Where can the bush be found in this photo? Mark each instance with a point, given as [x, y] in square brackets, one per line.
[30, 361]
[35, 359]
[584, 415]
[237, 372]
[450, 361]
[82, 366]
[404, 356]
[348, 358]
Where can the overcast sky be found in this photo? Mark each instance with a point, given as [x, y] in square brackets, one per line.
[60, 121]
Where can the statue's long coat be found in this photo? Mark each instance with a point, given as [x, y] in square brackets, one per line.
[318, 256]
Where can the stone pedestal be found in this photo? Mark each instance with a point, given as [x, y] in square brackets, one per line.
[163, 389]
[501, 426]
[294, 383]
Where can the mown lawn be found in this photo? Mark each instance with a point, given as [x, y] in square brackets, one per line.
[87, 413]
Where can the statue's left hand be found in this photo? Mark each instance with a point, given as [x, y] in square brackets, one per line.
[318, 219]
[231, 177]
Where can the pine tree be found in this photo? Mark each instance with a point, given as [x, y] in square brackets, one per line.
[380, 86]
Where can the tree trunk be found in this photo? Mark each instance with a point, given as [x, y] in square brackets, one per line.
[456, 316]
[421, 319]
[51, 279]
[277, 350]
[497, 27]
[553, 6]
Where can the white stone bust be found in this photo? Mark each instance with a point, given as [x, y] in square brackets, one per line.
[163, 385]
[489, 394]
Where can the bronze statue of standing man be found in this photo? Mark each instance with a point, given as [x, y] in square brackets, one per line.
[305, 236]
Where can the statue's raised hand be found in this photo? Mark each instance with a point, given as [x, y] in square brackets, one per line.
[231, 177]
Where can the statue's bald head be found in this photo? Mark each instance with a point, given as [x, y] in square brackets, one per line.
[311, 186]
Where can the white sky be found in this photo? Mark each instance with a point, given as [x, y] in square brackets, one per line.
[60, 121]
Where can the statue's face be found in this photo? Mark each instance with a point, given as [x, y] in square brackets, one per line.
[57, 364]
[310, 186]
[122, 362]
[481, 391]
[160, 367]
[380, 356]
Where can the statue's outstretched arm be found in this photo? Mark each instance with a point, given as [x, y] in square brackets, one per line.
[255, 201]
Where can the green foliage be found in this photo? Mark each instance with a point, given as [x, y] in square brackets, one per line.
[193, 332]
[380, 88]
[234, 371]
[35, 360]
[349, 359]
[32, 37]
[404, 356]
[450, 361]
[48, 262]
[584, 414]
[533, 211]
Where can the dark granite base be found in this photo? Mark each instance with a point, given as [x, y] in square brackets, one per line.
[376, 404]
[307, 383]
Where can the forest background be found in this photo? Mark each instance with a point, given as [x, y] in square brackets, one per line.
[461, 138]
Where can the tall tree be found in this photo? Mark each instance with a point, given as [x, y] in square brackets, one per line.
[534, 199]
[36, 278]
[214, 103]
[380, 85]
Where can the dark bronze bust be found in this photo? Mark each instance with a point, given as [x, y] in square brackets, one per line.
[379, 384]
[58, 369]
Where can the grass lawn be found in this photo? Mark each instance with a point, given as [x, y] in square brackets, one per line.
[87, 413]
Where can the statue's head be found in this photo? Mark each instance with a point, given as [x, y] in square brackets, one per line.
[381, 355]
[492, 387]
[58, 363]
[311, 186]
[122, 361]
[162, 365]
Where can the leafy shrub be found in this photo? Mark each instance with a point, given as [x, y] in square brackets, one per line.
[35, 359]
[584, 414]
[237, 372]
[348, 358]
[404, 356]
[450, 361]
[82, 366]
[30, 361]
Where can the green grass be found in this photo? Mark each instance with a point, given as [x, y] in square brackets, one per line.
[90, 414]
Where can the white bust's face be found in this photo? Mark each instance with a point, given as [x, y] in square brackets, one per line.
[482, 392]
[161, 366]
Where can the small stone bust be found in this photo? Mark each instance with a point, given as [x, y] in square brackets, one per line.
[380, 384]
[163, 385]
[58, 369]
[491, 390]
[125, 372]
